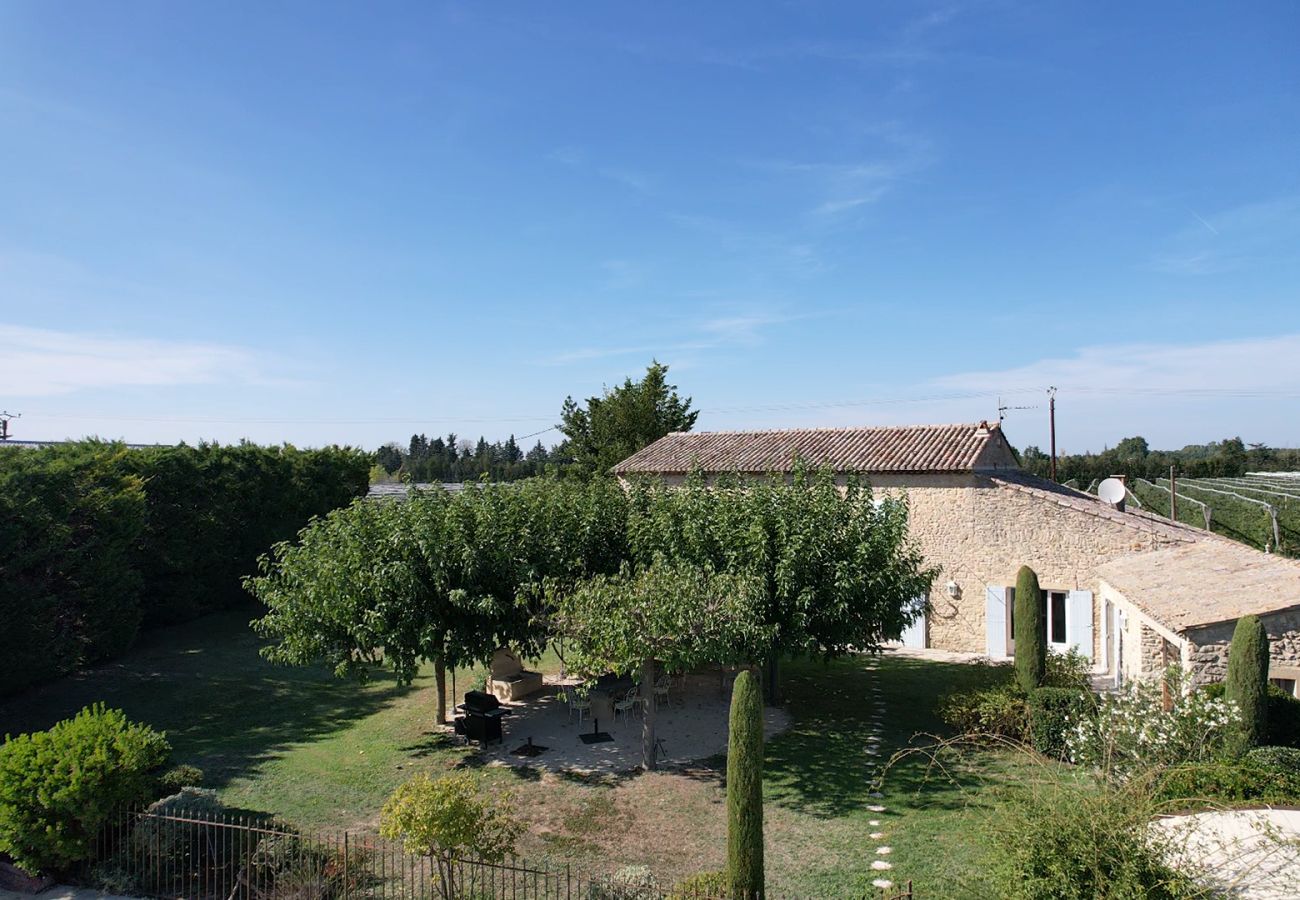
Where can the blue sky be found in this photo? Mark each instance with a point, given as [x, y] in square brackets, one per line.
[319, 223]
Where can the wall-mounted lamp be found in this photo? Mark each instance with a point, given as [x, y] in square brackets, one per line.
[954, 590]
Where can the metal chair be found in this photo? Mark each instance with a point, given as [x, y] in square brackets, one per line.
[662, 685]
[577, 705]
[631, 700]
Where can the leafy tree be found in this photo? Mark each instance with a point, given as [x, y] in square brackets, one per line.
[745, 789]
[1030, 631]
[441, 578]
[1133, 458]
[449, 818]
[613, 426]
[390, 457]
[1247, 681]
[837, 568]
[681, 616]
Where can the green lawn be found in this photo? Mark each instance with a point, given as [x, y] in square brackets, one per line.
[324, 753]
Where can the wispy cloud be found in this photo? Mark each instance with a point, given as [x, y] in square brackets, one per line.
[578, 158]
[1170, 393]
[39, 362]
[794, 253]
[1248, 364]
[745, 330]
[895, 154]
[1231, 239]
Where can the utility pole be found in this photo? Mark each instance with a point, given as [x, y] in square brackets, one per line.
[1051, 421]
[1173, 494]
[4, 423]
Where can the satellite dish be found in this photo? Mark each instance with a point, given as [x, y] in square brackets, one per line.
[1112, 491]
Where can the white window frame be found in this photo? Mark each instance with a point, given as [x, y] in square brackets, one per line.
[1048, 595]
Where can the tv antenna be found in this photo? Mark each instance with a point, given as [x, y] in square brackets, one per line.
[1003, 409]
[4, 423]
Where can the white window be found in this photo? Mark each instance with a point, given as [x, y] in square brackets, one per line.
[1068, 614]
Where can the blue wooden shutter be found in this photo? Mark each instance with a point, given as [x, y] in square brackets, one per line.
[995, 621]
[1078, 622]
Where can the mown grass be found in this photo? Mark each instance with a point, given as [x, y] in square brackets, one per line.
[325, 753]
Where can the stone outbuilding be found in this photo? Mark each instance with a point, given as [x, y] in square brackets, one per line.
[975, 514]
[1181, 606]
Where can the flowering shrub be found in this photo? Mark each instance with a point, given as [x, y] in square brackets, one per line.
[1134, 733]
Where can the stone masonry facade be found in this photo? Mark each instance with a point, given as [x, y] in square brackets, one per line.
[1207, 647]
[980, 531]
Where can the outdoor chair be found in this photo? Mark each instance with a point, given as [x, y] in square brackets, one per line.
[630, 701]
[662, 685]
[577, 705]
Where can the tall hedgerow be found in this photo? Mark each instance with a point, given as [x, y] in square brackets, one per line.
[745, 790]
[1030, 631]
[1247, 681]
[98, 540]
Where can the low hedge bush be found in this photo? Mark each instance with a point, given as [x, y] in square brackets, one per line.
[1231, 781]
[178, 778]
[1068, 670]
[1286, 759]
[701, 886]
[1283, 728]
[1052, 710]
[58, 787]
[1000, 711]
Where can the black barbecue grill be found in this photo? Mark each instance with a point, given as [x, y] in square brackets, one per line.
[481, 717]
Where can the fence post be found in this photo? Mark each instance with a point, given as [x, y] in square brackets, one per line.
[345, 865]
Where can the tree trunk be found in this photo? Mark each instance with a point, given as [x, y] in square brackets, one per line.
[773, 679]
[440, 679]
[648, 716]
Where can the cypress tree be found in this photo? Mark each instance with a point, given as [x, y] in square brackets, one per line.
[1247, 682]
[1030, 631]
[745, 790]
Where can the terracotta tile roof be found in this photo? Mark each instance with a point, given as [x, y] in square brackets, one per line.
[919, 448]
[1205, 582]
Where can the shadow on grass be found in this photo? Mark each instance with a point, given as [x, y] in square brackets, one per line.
[434, 742]
[224, 708]
[821, 766]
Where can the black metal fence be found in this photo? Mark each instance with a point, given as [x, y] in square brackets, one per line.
[207, 856]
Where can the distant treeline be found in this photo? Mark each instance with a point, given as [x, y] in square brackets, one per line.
[457, 459]
[98, 540]
[1134, 458]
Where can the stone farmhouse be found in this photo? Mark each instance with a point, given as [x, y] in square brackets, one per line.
[1130, 590]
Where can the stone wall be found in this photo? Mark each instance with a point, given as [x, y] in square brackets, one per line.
[1208, 647]
[980, 532]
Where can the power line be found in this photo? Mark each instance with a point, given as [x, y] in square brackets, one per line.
[791, 406]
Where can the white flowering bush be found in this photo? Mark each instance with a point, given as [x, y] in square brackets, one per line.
[1133, 733]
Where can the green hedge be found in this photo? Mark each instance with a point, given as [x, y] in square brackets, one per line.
[1232, 781]
[998, 711]
[1051, 710]
[1285, 759]
[98, 540]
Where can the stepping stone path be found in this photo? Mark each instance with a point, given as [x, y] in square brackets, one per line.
[873, 749]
